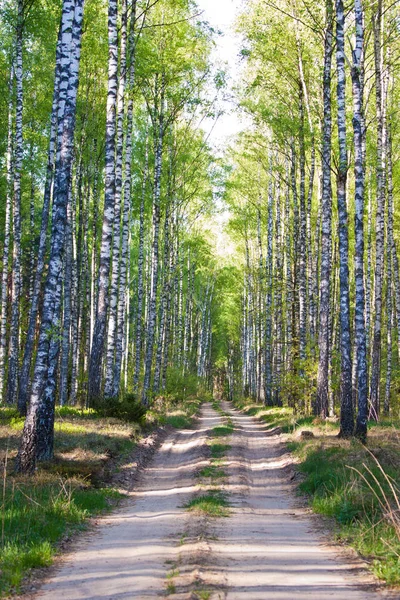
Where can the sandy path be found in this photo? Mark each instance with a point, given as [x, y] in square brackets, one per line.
[128, 555]
[268, 548]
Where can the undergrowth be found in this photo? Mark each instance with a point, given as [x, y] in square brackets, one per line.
[38, 512]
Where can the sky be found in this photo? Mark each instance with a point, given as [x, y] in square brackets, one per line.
[221, 15]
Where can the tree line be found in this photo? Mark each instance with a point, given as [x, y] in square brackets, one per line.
[107, 275]
[312, 195]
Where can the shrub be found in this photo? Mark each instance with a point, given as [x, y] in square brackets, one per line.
[127, 409]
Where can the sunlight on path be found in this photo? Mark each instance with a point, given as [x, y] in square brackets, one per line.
[270, 549]
[267, 549]
[126, 556]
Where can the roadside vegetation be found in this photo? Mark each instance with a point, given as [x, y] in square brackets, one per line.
[39, 513]
[357, 486]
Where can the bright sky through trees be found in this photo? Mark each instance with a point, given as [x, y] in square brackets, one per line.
[221, 15]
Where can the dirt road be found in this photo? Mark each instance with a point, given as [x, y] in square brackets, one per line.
[267, 549]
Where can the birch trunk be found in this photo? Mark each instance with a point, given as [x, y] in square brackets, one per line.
[13, 350]
[346, 396]
[118, 210]
[152, 316]
[380, 215]
[57, 114]
[38, 433]
[322, 402]
[99, 332]
[359, 176]
[140, 286]
[6, 247]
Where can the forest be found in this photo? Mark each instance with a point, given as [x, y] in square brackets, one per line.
[146, 269]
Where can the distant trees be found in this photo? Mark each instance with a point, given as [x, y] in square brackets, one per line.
[333, 362]
[105, 282]
[111, 283]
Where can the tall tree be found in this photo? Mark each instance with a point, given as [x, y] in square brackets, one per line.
[99, 331]
[37, 437]
[322, 402]
[346, 396]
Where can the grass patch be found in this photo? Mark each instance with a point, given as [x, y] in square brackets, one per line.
[216, 405]
[172, 574]
[171, 588]
[213, 503]
[202, 594]
[343, 481]
[178, 414]
[177, 421]
[36, 514]
[212, 471]
[223, 430]
[218, 450]
[358, 487]
[284, 418]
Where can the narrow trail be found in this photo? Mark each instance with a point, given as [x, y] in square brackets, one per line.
[267, 549]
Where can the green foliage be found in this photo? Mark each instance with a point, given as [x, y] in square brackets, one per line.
[127, 409]
[180, 385]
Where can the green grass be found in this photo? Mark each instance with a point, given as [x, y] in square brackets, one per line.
[172, 574]
[171, 588]
[216, 405]
[343, 481]
[36, 514]
[218, 450]
[355, 499]
[223, 430]
[284, 418]
[202, 594]
[212, 471]
[177, 421]
[213, 503]
[180, 415]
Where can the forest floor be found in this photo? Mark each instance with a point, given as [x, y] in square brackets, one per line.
[214, 516]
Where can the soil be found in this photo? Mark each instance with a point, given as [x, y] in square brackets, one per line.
[268, 548]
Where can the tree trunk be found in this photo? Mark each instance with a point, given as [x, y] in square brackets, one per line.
[346, 396]
[152, 316]
[13, 350]
[99, 332]
[380, 214]
[38, 433]
[322, 402]
[359, 176]
[118, 210]
[6, 247]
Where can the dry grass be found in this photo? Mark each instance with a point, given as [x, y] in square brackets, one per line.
[37, 512]
[359, 487]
